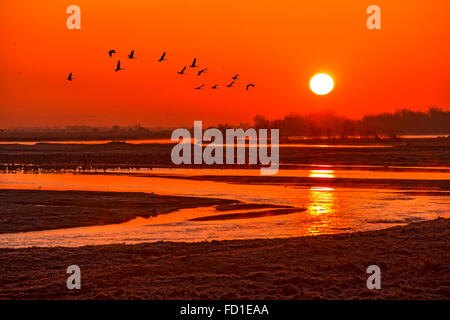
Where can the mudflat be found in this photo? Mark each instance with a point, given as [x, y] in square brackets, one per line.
[33, 210]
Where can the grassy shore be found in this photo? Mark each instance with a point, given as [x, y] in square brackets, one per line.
[414, 261]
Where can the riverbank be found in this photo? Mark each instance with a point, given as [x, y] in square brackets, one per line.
[414, 261]
[34, 210]
[433, 152]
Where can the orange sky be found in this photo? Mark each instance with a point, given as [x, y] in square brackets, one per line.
[278, 45]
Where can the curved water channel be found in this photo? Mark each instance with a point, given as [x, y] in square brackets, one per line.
[327, 209]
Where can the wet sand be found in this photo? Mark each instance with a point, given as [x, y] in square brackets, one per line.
[33, 210]
[248, 215]
[414, 261]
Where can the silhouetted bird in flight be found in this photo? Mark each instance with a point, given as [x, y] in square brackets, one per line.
[235, 77]
[118, 68]
[70, 77]
[201, 71]
[131, 55]
[193, 65]
[182, 70]
[215, 86]
[198, 88]
[162, 57]
[250, 85]
[111, 52]
[231, 84]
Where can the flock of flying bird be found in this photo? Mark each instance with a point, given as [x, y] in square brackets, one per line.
[181, 72]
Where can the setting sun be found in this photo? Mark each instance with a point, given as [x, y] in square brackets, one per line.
[321, 84]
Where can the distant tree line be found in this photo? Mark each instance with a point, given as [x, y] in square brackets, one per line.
[79, 133]
[330, 125]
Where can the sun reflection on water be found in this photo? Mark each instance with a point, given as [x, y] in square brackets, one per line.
[321, 174]
[321, 210]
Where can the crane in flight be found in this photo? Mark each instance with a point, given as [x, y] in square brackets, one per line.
[200, 87]
[249, 85]
[201, 71]
[162, 57]
[182, 70]
[111, 52]
[193, 65]
[118, 68]
[131, 55]
[231, 84]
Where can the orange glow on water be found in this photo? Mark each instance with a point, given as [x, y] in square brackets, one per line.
[321, 174]
[321, 201]
[328, 210]
[322, 210]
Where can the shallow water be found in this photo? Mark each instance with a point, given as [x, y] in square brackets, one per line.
[328, 210]
[314, 172]
[311, 171]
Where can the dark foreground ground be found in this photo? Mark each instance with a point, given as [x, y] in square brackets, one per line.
[414, 262]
